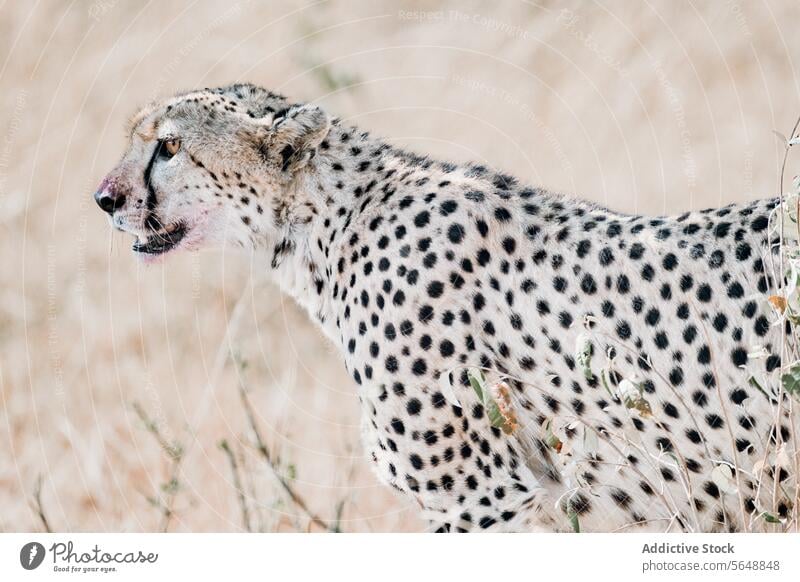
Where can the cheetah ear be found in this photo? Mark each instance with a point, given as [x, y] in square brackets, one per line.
[295, 135]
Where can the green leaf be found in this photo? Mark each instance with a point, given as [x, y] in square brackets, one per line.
[573, 520]
[175, 451]
[171, 486]
[640, 404]
[572, 516]
[604, 382]
[551, 439]
[494, 414]
[755, 384]
[769, 518]
[791, 380]
[478, 383]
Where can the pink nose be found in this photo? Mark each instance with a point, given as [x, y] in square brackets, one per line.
[109, 196]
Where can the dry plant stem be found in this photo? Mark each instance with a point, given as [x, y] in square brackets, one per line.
[663, 378]
[250, 488]
[787, 146]
[177, 453]
[736, 465]
[648, 456]
[642, 447]
[796, 454]
[220, 359]
[683, 466]
[169, 507]
[37, 502]
[337, 524]
[284, 483]
[659, 494]
[237, 483]
[174, 453]
[780, 277]
[636, 523]
[768, 444]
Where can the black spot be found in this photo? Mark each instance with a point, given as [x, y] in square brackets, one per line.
[738, 396]
[606, 257]
[455, 233]
[579, 503]
[486, 522]
[664, 444]
[588, 285]
[446, 348]
[422, 219]
[759, 223]
[670, 261]
[448, 207]
[621, 498]
[704, 293]
[711, 488]
[739, 356]
[694, 436]
[435, 289]
[502, 214]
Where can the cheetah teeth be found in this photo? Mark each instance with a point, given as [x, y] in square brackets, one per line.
[162, 241]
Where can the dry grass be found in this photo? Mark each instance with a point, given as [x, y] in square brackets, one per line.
[108, 370]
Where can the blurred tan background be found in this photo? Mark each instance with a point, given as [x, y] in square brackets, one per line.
[118, 382]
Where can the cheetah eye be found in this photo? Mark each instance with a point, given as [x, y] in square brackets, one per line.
[171, 146]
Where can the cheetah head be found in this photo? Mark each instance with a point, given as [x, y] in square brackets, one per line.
[210, 167]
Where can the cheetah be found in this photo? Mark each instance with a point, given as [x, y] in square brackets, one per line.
[524, 361]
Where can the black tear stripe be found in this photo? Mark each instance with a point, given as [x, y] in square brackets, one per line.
[151, 221]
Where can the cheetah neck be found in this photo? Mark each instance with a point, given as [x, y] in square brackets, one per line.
[348, 184]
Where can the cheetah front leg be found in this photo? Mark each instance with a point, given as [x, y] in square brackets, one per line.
[465, 473]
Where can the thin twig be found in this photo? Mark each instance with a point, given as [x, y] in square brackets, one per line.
[337, 524]
[37, 501]
[282, 480]
[237, 483]
[781, 276]
[727, 418]
[175, 453]
[248, 480]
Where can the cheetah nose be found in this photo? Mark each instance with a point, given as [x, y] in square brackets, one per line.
[109, 200]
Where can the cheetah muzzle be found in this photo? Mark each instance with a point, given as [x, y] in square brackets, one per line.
[523, 360]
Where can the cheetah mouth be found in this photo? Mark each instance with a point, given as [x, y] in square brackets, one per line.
[162, 241]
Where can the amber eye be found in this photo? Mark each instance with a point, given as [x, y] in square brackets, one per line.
[172, 146]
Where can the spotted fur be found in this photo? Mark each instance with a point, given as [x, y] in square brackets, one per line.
[623, 340]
